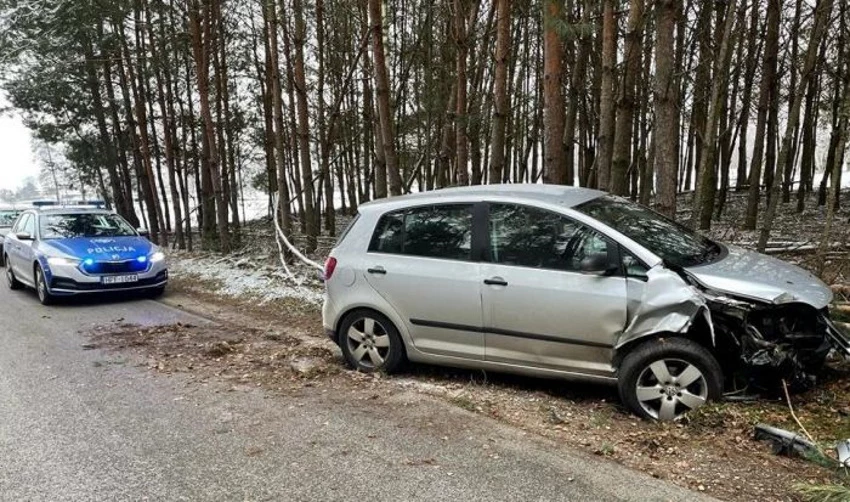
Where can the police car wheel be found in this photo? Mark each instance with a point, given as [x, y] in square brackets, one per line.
[44, 295]
[155, 292]
[11, 280]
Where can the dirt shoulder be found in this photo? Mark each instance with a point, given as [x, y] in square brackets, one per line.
[278, 344]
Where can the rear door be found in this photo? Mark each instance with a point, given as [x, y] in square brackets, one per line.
[420, 261]
[540, 309]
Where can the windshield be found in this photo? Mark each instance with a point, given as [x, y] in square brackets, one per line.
[674, 243]
[65, 226]
[8, 217]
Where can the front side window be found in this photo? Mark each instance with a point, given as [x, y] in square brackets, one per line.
[21, 224]
[530, 237]
[633, 266]
[29, 226]
[66, 226]
[440, 231]
[672, 242]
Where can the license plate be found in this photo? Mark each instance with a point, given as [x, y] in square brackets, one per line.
[119, 279]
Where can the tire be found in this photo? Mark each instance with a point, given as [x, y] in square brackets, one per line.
[44, 295]
[370, 342]
[11, 280]
[153, 293]
[664, 378]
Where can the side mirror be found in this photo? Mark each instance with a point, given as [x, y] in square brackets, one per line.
[598, 264]
[23, 236]
[144, 232]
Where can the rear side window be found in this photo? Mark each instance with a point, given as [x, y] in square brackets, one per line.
[441, 231]
[347, 229]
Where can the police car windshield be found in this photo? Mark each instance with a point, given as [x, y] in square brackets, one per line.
[7, 217]
[66, 226]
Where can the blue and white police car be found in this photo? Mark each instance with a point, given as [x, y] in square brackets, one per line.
[70, 250]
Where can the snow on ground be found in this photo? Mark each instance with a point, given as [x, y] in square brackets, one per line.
[247, 277]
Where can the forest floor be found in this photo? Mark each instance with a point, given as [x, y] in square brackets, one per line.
[274, 339]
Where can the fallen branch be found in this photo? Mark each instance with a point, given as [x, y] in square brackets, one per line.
[289, 245]
[794, 415]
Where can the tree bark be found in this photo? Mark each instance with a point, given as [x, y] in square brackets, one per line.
[606, 95]
[666, 135]
[626, 101]
[382, 86]
[554, 167]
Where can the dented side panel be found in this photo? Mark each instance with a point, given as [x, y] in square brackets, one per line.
[667, 304]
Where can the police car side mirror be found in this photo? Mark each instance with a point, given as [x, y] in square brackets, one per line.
[144, 232]
[23, 236]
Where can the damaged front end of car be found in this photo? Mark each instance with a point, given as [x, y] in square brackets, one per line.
[758, 343]
[762, 344]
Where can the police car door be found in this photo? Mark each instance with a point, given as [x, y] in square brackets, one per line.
[21, 248]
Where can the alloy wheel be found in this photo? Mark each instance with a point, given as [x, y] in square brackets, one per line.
[669, 388]
[368, 342]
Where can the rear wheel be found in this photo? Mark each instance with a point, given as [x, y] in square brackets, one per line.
[11, 280]
[44, 295]
[370, 342]
[663, 379]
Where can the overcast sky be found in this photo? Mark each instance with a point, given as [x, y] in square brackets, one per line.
[16, 157]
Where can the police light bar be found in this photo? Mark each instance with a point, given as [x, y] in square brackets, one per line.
[96, 203]
[43, 203]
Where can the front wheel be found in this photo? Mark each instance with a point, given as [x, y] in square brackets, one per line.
[665, 378]
[370, 342]
[155, 292]
[44, 295]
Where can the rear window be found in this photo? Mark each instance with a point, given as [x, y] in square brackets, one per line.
[440, 231]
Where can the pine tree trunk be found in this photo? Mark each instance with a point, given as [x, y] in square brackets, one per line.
[554, 167]
[606, 95]
[666, 133]
[501, 103]
[298, 39]
[822, 14]
[382, 86]
[618, 183]
[771, 49]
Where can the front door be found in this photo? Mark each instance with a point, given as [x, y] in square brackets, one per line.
[540, 309]
[420, 262]
[21, 252]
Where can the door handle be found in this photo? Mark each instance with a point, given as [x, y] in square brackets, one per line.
[377, 270]
[495, 281]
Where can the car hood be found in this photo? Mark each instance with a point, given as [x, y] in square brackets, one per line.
[101, 248]
[4, 231]
[760, 277]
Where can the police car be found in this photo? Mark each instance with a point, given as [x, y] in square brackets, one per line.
[70, 250]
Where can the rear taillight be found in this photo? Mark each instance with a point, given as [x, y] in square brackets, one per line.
[330, 266]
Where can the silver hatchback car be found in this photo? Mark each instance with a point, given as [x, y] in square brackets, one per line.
[572, 283]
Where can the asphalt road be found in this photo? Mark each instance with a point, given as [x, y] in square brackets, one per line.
[80, 424]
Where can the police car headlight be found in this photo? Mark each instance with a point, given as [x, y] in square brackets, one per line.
[158, 256]
[58, 260]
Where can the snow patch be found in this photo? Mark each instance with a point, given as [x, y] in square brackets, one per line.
[243, 277]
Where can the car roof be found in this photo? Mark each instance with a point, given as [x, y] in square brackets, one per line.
[566, 196]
